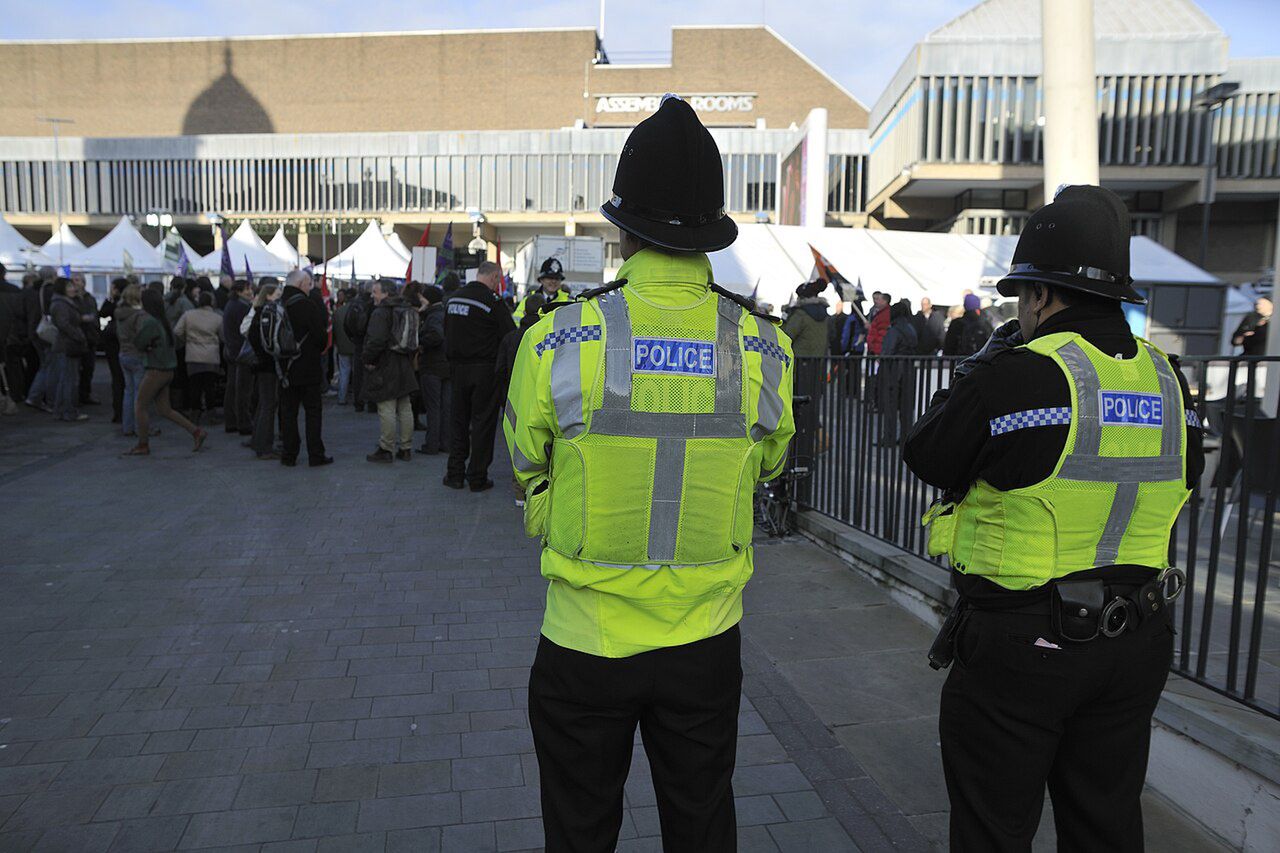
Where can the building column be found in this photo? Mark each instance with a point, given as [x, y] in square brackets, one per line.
[1070, 95]
[304, 244]
[570, 227]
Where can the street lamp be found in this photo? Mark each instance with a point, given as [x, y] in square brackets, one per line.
[1211, 101]
[57, 167]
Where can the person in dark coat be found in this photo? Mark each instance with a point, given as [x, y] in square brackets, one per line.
[934, 324]
[237, 400]
[111, 346]
[897, 375]
[70, 346]
[967, 334]
[40, 392]
[433, 374]
[92, 327]
[265, 380]
[390, 376]
[304, 375]
[1251, 334]
[222, 294]
[356, 322]
[10, 354]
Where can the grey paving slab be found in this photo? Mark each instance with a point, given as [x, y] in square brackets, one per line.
[297, 678]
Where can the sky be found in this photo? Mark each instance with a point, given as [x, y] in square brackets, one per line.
[860, 43]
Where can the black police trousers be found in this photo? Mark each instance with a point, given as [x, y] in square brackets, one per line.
[1016, 716]
[474, 422]
[584, 710]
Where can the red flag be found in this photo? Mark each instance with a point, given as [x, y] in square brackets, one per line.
[324, 292]
[408, 273]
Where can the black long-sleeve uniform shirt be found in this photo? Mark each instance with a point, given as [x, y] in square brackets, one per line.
[951, 446]
[475, 323]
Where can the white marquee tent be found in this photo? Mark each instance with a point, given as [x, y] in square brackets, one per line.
[108, 254]
[245, 244]
[369, 256]
[66, 240]
[394, 241]
[195, 261]
[17, 251]
[283, 249]
[771, 260]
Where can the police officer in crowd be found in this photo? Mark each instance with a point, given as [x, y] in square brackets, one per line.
[1065, 448]
[474, 325]
[550, 290]
[650, 408]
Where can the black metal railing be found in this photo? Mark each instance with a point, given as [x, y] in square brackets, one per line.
[1228, 623]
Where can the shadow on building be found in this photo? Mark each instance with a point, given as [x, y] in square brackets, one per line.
[226, 106]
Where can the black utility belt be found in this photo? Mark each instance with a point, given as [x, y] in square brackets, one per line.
[1080, 611]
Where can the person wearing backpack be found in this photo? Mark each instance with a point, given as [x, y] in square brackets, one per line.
[266, 381]
[390, 376]
[236, 409]
[969, 333]
[301, 367]
[355, 322]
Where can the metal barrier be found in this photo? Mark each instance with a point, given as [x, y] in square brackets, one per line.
[1229, 633]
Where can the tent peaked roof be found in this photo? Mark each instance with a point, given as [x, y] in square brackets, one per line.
[394, 241]
[283, 249]
[194, 259]
[370, 255]
[245, 244]
[107, 255]
[67, 240]
[17, 251]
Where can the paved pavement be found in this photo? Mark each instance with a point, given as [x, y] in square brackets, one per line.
[206, 651]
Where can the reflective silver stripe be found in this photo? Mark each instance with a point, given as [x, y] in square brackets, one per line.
[472, 302]
[522, 462]
[728, 357]
[1121, 469]
[1171, 394]
[617, 351]
[510, 412]
[566, 374]
[1088, 386]
[667, 424]
[769, 406]
[1117, 523]
[664, 512]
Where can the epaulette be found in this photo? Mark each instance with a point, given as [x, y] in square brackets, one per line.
[598, 291]
[745, 303]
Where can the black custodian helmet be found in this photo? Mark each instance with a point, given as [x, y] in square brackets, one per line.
[551, 268]
[669, 187]
[1079, 241]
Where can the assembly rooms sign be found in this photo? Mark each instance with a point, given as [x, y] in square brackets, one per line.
[708, 103]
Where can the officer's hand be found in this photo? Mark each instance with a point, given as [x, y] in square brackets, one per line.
[1006, 337]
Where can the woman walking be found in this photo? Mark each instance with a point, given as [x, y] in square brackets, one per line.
[155, 341]
[200, 331]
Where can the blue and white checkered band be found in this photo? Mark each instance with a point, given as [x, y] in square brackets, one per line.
[571, 335]
[1193, 420]
[753, 344]
[1053, 416]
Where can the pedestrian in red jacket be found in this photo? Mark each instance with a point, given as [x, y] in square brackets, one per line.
[879, 322]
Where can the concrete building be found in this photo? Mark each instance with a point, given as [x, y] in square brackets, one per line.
[521, 126]
[956, 138]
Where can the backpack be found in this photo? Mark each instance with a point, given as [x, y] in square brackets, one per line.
[974, 333]
[277, 332]
[356, 321]
[404, 330]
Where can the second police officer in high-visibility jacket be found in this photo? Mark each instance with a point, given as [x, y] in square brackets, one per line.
[550, 291]
[640, 420]
[1065, 449]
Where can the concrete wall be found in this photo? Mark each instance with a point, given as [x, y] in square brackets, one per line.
[494, 80]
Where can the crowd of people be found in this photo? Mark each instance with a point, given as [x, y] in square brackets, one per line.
[250, 354]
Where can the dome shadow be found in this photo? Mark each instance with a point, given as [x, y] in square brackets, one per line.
[226, 106]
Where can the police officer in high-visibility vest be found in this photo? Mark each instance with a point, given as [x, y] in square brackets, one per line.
[550, 291]
[1066, 449]
[641, 418]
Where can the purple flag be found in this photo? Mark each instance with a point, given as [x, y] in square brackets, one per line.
[444, 259]
[226, 254]
[248, 273]
[184, 263]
